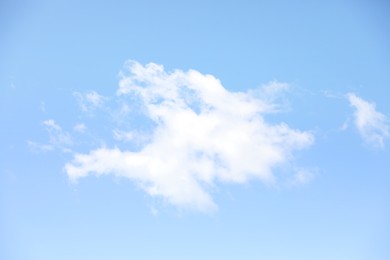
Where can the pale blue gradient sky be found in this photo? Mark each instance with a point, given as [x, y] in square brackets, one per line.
[49, 50]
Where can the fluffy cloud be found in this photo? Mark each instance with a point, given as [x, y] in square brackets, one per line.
[201, 134]
[371, 124]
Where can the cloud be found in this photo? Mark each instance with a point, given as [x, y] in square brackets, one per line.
[303, 176]
[273, 94]
[201, 134]
[80, 128]
[371, 124]
[89, 101]
[43, 106]
[39, 147]
[123, 135]
[58, 138]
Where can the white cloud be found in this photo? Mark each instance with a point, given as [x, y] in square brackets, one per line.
[39, 147]
[81, 128]
[123, 135]
[203, 134]
[89, 101]
[371, 124]
[43, 106]
[58, 138]
[303, 176]
[344, 126]
[273, 89]
[51, 124]
[273, 95]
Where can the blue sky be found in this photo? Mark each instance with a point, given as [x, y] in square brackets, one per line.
[196, 130]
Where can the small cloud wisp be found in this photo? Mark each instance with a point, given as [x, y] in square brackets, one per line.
[371, 124]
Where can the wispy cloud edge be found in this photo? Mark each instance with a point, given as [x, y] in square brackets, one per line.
[372, 125]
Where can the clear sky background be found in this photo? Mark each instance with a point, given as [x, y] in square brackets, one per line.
[285, 157]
